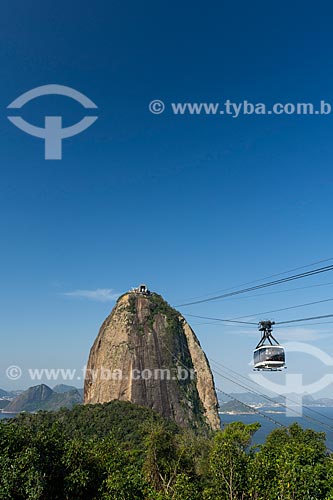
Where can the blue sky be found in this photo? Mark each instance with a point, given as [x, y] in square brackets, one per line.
[188, 204]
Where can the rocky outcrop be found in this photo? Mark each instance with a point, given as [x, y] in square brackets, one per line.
[146, 353]
[204, 377]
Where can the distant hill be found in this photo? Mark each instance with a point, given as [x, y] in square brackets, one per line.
[245, 397]
[4, 403]
[42, 397]
[235, 407]
[294, 398]
[62, 388]
[324, 402]
[5, 398]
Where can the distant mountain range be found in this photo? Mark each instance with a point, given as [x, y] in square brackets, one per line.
[40, 397]
[255, 400]
[9, 394]
[62, 388]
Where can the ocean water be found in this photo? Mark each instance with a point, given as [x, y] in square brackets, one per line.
[319, 419]
[7, 415]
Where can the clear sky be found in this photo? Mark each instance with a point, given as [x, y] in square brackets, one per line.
[187, 204]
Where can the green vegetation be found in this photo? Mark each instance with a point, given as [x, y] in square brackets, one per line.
[121, 451]
[132, 303]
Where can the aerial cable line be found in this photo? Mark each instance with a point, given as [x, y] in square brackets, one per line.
[269, 399]
[286, 308]
[288, 290]
[261, 394]
[220, 319]
[187, 368]
[253, 410]
[304, 319]
[309, 324]
[217, 322]
[267, 277]
[250, 389]
[313, 272]
[276, 323]
[297, 413]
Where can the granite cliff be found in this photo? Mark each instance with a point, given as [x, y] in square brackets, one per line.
[146, 353]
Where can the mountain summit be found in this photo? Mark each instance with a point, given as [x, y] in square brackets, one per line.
[41, 397]
[146, 353]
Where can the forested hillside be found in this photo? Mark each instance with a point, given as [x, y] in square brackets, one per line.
[120, 451]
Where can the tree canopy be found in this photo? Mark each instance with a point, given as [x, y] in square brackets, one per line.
[120, 451]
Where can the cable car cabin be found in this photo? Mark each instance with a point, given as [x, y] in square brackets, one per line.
[269, 357]
[269, 354]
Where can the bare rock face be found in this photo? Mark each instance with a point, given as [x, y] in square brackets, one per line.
[146, 353]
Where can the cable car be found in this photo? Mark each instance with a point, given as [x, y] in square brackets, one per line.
[269, 355]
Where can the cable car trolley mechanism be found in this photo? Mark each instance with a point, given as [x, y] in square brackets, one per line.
[269, 355]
